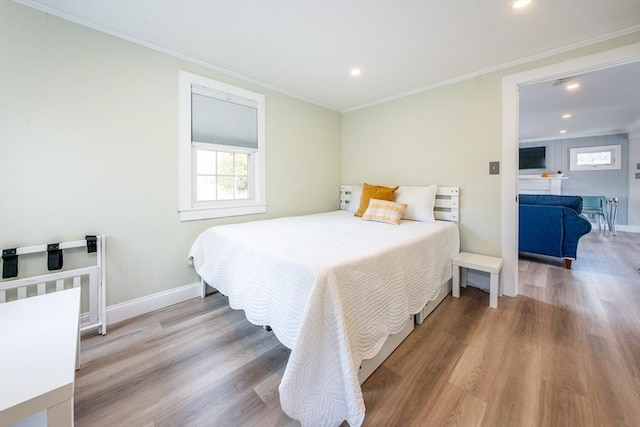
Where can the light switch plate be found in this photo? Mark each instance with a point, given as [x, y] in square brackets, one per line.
[494, 168]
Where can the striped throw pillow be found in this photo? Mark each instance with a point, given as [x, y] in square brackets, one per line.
[384, 211]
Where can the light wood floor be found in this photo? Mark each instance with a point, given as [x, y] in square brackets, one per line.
[566, 352]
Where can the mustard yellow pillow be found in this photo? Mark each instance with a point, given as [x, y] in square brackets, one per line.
[384, 211]
[374, 192]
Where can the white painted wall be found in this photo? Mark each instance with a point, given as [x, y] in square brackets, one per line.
[444, 136]
[634, 183]
[89, 144]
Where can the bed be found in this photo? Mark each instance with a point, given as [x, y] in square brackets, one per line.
[338, 291]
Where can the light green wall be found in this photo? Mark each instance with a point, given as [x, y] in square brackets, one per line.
[435, 137]
[89, 144]
[447, 136]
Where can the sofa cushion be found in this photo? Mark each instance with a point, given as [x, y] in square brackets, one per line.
[573, 202]
[541, 230]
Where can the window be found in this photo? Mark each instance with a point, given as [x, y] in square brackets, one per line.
[595, 158]
[222, 146]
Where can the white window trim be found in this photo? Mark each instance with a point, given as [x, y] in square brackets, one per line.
[219, 148]
[615, 154]
[225, 208]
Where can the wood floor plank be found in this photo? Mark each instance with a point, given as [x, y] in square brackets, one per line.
[612, 393]
[376, 390]
[564, 368]
[561, 407]
[532, 273]
[481, 358]
[275, 418]
[516, 387]
[450, 406]
[267, 389]
[425, 368]
[532, 320]
[566, 352]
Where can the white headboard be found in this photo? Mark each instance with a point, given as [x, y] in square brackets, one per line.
[447, 202]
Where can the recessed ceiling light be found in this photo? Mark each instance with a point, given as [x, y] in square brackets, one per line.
[563, 131]
[573, 86]
[356, 71]
[520, 4]
[566, 116]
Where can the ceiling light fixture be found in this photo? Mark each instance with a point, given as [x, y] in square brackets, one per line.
[566, 116]
[518, 4]
[563, 131]
[356, 72]
[573, 86]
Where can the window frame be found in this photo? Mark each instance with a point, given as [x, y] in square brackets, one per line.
[220, 149]
[615, 151]
[189, 208]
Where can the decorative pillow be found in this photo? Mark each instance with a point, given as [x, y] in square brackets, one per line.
[374, 192]
[420, 201]
[354, 204]
[384, 211]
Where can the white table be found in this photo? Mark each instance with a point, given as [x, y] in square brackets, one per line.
[488, 264]
[38, 353]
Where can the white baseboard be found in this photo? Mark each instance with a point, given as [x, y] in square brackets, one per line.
[628, 228]
[136, 307]
[478, 279]
[625, 228]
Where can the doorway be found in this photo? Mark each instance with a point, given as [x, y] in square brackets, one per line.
[510, 140]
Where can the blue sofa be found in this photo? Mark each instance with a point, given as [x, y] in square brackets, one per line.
[551, 225]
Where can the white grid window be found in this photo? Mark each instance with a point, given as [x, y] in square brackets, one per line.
[222, 144]
[220, 175]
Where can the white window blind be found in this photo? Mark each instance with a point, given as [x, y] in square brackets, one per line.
[223, 122]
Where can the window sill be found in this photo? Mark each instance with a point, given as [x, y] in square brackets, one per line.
[195, 214]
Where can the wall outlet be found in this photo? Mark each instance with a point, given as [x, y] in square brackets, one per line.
[494, 168]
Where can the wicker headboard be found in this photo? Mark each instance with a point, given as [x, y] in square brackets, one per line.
[447, 202]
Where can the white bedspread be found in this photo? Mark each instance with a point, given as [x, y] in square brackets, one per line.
[333, 287]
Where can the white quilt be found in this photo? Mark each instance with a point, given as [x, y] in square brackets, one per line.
[332, 287]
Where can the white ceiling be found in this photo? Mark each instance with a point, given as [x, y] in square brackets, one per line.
[607, 101]
[306, 48]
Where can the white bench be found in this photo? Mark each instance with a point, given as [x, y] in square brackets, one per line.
[488, 264]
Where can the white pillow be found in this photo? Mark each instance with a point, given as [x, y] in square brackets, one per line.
[356, 194]
[420, 201]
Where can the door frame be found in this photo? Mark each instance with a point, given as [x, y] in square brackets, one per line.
[510, 113]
